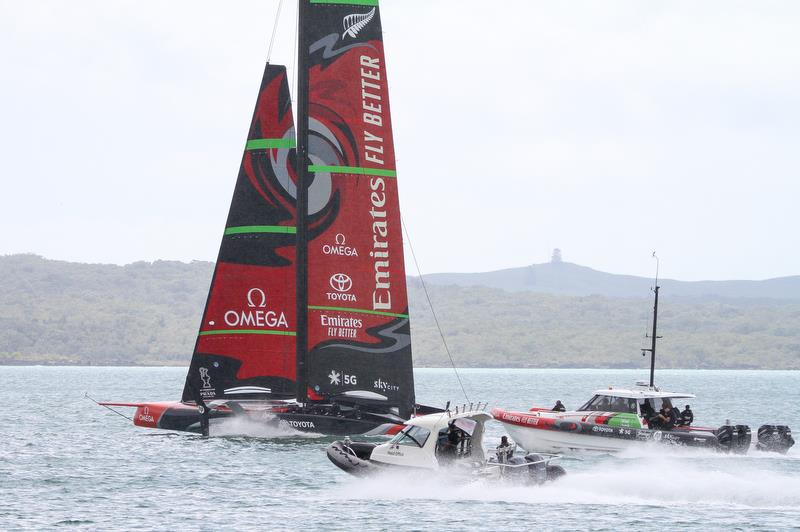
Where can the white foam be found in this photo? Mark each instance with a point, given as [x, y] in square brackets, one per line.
[266, 428]
[661, 481]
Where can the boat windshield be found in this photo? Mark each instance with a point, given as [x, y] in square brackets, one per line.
[412, 435]
[650, 407]
[605, 403]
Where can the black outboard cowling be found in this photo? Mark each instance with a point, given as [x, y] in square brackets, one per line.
[734, 438]
[538, 468]
[774, 438]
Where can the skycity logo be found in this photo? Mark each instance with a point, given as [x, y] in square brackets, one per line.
[384, 386]
[356, 22]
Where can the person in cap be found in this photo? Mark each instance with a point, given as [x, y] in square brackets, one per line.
[505, 450]
[687, 416]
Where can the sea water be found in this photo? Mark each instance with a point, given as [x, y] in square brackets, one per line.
[65, 462]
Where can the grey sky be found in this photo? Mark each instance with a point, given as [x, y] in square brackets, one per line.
[607, 129]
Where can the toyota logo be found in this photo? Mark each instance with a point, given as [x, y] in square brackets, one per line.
[341, 282]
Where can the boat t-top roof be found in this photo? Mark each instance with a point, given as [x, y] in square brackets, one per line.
[643, 393]
[439, 421]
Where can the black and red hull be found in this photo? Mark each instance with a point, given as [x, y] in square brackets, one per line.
[324, 419]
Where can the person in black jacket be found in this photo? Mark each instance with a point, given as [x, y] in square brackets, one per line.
[559, 407]
[669, 416]
[666, 419]
[687, 417]
[504, 451]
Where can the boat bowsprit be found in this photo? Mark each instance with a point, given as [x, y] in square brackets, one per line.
[448, 442]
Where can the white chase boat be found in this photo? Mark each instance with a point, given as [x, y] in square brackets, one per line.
[450, 442]
[616, 418]
[613, 420]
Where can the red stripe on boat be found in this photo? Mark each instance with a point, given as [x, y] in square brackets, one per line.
[149, 414]
[523, 419]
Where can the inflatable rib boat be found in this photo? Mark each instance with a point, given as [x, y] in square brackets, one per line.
[449, 441]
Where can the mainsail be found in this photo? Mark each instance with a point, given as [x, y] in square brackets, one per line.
[246, 344]
[351, 276]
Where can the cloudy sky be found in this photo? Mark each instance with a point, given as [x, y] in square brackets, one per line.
[607, 129]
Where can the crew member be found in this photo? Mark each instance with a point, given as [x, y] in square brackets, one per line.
[449, 447]
[667, 417]
[505, 450]
[657, 421]
[647, 410]
[687, 416]
[559, 407]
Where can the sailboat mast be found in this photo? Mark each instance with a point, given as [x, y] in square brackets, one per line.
[654, 337]
[302, 208]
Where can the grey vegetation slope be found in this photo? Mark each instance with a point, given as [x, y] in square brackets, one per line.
[572, 279]
[54, 312]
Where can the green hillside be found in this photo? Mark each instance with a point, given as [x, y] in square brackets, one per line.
[54, 312]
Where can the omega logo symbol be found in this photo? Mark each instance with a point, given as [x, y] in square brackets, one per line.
[340, 239]
[256, 298]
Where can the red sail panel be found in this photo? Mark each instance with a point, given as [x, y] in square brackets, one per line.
[358, 327]
[246, 345]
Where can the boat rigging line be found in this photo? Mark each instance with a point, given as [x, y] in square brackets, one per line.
[117, 412]
[274, 30]
[433, 312]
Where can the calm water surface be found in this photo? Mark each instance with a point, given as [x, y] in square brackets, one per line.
[65, 462]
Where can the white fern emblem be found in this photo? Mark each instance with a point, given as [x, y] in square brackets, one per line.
[356, 22]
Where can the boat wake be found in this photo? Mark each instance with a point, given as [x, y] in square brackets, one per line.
[669, 481]
[269, 429]
[650, 450]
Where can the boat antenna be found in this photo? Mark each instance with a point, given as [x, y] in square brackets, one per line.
[654, 336]
[433, 312]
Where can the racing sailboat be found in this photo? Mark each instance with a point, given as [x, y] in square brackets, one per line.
[306, 321]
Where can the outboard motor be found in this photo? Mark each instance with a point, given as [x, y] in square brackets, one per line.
[774, 438]
[734, 438]
[538, 468]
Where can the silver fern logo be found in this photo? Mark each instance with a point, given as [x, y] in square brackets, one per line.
[356, 22]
